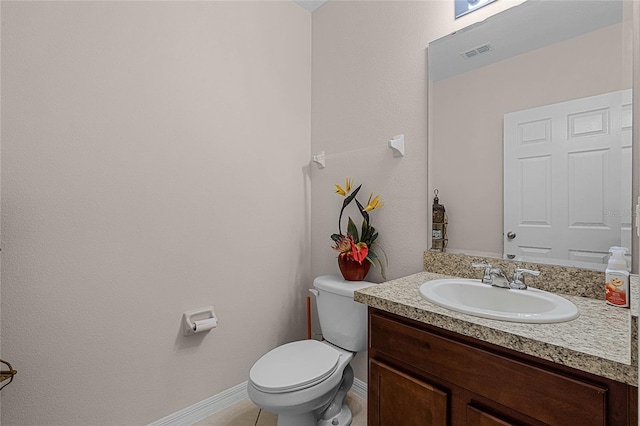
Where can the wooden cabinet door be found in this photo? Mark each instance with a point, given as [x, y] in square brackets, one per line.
[396, 399]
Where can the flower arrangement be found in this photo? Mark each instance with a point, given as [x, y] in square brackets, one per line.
[358, 246]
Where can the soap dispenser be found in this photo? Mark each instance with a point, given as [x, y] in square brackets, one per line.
[617, 278]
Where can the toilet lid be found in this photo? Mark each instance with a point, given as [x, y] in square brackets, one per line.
[294, 366]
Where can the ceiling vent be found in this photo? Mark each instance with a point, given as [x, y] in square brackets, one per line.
[477, 51]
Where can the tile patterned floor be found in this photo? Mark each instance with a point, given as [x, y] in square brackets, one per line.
[244, 413]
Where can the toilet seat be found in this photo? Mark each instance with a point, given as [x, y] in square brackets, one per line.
[294, 366]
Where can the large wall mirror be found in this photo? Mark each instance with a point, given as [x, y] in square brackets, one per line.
[530, 132]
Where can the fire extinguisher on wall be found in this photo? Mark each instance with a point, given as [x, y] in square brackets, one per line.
[439, 225]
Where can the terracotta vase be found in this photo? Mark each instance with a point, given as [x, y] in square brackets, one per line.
[352, 270]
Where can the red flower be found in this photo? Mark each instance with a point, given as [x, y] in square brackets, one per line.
[359, 251]
[348, 248]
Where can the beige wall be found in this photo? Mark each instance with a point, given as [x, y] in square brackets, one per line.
[154, 160]
[468, 124]
[370, 84]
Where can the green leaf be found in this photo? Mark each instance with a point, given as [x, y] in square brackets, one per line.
[379, 260]
[335, 237]
[364, 214]
[373, 237]
[353, 231]
[368, 234]
[364, 232]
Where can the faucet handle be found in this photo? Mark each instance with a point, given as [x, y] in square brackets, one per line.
[519, 271]
[518, 277]
[486, 278]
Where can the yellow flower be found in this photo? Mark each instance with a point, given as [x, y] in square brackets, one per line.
[376, 203]
[347, 187]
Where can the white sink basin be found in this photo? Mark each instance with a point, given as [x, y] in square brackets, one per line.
[482, 300]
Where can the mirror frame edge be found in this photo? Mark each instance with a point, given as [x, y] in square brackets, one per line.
[635, 137]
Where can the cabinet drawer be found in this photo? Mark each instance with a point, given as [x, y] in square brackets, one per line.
[541, 394]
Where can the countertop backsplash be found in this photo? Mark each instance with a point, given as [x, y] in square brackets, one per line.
[553, 278]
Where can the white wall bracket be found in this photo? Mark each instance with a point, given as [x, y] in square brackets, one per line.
[397, 145]
[319, 159]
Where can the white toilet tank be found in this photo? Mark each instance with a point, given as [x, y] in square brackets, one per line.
[342, 320]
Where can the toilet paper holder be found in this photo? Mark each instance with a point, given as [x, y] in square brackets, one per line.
[199, 320]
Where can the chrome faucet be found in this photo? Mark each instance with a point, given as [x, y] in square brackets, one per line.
[498, 278]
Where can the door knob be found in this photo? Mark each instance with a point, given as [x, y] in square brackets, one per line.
[511, 235]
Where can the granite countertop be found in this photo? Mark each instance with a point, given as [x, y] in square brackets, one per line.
[603, 340]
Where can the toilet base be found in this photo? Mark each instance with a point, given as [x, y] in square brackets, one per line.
[306, 419]
[337, 413]
[343, 418]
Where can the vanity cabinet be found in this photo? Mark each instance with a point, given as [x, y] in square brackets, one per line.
[423, 375]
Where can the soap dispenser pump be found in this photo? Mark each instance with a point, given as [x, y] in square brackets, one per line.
[617, 278]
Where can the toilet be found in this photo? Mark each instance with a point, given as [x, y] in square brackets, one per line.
[305, 382]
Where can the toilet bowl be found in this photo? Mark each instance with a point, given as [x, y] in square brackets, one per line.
[305, 382]
[308, 387]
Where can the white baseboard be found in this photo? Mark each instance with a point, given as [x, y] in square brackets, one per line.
[205, 408]
[225, 399]
[359, 388]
